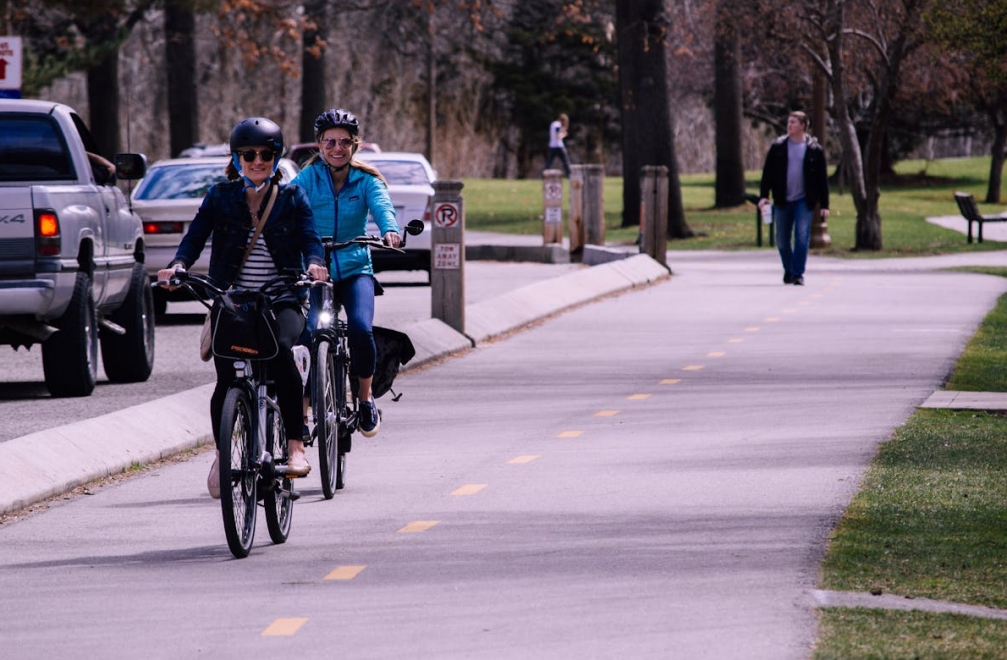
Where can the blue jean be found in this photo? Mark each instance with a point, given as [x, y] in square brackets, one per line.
[356, 295]
[793, 219]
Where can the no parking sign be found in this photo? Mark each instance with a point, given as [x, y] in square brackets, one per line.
[446, 215]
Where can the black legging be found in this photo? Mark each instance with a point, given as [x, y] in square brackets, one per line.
[289, 324]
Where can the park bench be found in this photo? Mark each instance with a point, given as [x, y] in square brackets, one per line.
[967, 205]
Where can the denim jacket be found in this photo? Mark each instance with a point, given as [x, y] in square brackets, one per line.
[289, 232]
[344, 216]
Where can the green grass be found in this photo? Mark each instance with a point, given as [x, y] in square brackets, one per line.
[925, 189]
[930, 521]
[848, 634]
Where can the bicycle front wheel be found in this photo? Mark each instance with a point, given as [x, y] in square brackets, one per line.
[238, 472]
[278, 501]
[346, 419]
[323, 404]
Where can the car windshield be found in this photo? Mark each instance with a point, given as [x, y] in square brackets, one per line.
[191, 181]
[401, 172]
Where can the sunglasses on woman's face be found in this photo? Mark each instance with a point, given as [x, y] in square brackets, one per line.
[331, 143]
[266, 155]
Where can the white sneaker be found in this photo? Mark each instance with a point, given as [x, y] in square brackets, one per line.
[213, 479]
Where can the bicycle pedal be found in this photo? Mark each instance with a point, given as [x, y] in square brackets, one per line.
[294, 495]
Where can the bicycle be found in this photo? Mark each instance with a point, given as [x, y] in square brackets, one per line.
[252, 441]
[334, 401]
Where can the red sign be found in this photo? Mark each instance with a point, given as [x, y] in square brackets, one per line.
[446, 215]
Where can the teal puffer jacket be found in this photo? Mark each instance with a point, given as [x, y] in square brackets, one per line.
[344, 216]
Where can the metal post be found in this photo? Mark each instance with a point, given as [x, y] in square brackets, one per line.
[552, 206]
[820, 238]
[576, 213]
[654, 212]
[594, 205]
[447, 258]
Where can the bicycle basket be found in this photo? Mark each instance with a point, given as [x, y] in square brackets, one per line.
[244, 326]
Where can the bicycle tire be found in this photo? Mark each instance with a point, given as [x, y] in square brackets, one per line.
[323, 405]
[345, 412]
[278, 502]
[238, 474]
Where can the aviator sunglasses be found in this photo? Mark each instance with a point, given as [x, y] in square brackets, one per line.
[266, 155]
[331, 143]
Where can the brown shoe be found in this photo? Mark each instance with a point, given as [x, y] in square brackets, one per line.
[297, 465]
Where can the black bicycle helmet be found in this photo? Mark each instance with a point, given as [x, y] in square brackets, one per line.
[257, 132]
[337, 118]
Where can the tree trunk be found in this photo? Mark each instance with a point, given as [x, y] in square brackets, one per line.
[313, 89]
[999, 121]
[648, 130]
[180, 56]
[729, 188]
[103, 99]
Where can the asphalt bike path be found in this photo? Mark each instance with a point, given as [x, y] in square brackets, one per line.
[653, 475]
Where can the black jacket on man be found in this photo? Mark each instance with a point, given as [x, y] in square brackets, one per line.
[816, 176]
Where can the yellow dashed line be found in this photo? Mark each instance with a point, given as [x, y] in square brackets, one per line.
[753, 328]
[715, 354]
[671, 381]
[418, 526]
[735, 341]
[638, 397]
[284, 627]
[692, 367]
[772, 319]
[803, 302]
[789, 310]
[816, 295]
[345, 572]
[606, 413]
[569, 434]
[520, 460]
[469, 489]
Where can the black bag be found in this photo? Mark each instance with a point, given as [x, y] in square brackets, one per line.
[244, 326]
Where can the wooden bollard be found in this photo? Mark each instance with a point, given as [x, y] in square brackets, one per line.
[552, 206]
[594, 205]
[654, 212]
[447, 256]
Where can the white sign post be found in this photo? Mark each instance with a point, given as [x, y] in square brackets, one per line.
[10, 67]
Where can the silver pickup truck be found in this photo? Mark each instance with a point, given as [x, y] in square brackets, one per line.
[71, 251]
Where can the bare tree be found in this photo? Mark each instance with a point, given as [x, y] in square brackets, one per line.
[881, 35]
[729, 189]
[648, 134]
[180, 57]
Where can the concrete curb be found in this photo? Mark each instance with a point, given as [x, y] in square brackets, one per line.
[41, 465]
[37, 466]
[902, 603]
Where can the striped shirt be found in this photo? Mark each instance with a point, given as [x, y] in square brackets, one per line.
[259, 268]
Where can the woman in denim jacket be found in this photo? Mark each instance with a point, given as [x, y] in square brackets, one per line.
[288, 240]
[342, 192]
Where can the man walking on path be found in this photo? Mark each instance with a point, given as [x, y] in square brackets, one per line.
[796, 174]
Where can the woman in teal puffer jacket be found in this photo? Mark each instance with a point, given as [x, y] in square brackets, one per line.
[342, 192]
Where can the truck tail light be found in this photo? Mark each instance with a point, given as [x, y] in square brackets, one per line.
[47, 232]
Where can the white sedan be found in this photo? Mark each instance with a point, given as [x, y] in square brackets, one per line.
[410, 183]
[167, 199]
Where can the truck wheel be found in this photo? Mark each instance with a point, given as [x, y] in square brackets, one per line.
[70, 356]
[129, 358]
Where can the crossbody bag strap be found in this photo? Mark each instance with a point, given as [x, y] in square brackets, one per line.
[258, 227]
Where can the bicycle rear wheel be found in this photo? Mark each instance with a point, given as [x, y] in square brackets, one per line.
[323, 404]
[278, 502]
[238, 473]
